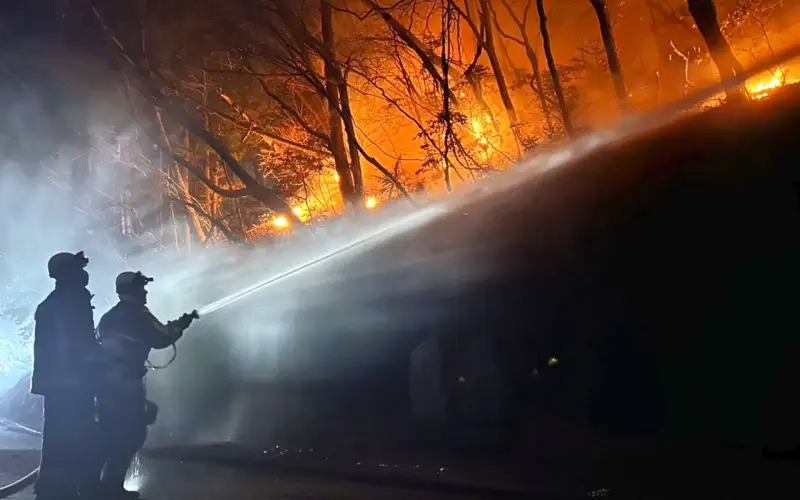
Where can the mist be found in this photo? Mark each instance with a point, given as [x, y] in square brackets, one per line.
[270, 313]
[350, 303]
[60, 205]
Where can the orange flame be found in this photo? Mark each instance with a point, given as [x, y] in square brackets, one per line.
[762, 88]
[281, 222]
[480, 136]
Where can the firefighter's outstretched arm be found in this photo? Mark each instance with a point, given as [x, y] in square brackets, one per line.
[159, 335]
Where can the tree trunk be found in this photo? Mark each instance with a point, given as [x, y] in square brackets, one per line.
[530, 53]
[336, 87]
[211, 200]
[189, 192]
[704, 13]
[551, 64]
[352, 142]
[475, 85]
[538, 86]
[346, 182]
[506, 61]
[601, 9]
[447, 22]
[491, 52]
[183, 184]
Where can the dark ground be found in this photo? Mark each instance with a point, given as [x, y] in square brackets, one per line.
[575, 465]
[167, 480]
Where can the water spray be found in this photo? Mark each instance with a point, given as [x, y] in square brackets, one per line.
[398, 227]
[550, 161]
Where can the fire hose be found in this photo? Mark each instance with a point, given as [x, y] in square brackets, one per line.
[20, 484]
[30, 478]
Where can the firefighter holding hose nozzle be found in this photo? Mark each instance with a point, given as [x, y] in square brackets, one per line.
[66, 358]
[127, 333]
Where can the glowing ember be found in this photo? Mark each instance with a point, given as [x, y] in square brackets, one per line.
[280, 222]
[371, 202]
[478, 132]
[476, 128]
[303, 211]
[762, 88]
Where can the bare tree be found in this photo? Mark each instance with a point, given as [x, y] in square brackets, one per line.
[448, 18]
[675, 38]
[409, 92]
[146, 82]
[428, 59]
[488, 43]
[551, 65]
[601, 10]
[334, 82]
[704, 13]
[530, 53]
[295, 58]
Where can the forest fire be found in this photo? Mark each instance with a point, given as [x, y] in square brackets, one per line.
[281, 222]
[763, 87]
[478, 131]
[425, 104]
[498, 100]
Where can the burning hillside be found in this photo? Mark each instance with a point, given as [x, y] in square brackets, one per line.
[762, 87]
[325, 108]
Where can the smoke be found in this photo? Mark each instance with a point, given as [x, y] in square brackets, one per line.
[41, 215]
[61, 196]
[77, 197]
[364, 293]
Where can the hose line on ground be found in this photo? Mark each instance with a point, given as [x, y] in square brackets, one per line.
[20, 484]
[30, 478]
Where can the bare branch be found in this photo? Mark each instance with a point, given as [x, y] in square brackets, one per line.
[265, 195]
[290, 110]
[387, 173]
[189, 205]
[166, 147]
[247, 124]
[220, 71]
[429, 60]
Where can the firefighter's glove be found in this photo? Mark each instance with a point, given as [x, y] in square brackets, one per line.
[186, 319]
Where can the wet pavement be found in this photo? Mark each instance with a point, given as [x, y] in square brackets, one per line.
[614, 469]
[623, 469]
[175, 480]
[216, 482]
